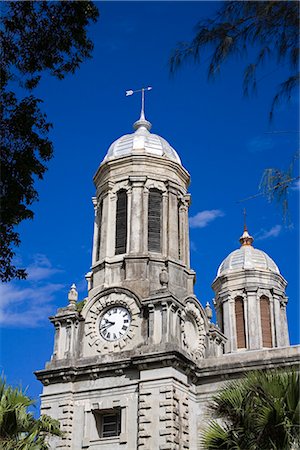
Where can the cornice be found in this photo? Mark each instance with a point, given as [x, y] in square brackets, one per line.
[150, 160]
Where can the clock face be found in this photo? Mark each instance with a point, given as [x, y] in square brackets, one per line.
[114, 323]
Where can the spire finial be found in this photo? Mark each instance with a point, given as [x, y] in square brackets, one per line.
[245, 239]
[142, 122]
[73, 296]
[245, 221]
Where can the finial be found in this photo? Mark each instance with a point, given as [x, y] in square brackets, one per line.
[208, 311]
[245, 223]
[73, 296]
[246, 239]
[142, 122]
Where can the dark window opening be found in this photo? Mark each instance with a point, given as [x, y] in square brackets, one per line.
[240, 323]
[121, 223]
[265, 318]
[154, 220]
[108, 423]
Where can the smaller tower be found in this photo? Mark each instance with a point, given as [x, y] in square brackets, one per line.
[250, 299]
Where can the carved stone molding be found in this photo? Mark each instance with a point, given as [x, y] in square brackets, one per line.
[194, 315]
[264, 293]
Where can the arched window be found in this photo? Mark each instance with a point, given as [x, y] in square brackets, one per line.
[154, 220]
[240, 323]
[121, 223]
[265, 318]
[99, 220]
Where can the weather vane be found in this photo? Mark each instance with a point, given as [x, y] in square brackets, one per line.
[245, 223]
[142, 90]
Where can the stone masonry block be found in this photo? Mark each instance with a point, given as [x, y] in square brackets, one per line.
[164, 389]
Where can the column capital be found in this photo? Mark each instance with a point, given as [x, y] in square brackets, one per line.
[138, 181]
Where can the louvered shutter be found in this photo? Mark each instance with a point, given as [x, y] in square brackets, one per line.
[121, 223]
[154, 221]
[240, 323]
[265, 322]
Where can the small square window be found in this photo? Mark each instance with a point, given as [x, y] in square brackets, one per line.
[108, 423]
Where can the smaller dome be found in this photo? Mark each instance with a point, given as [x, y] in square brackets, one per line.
[247, 257]
[141, 141]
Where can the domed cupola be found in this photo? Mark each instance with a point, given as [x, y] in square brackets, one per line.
[250, 299]
[141, 142]
[247, 257]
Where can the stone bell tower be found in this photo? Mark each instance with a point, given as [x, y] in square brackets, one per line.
[121, 374]
[251, 300]
[141, 239]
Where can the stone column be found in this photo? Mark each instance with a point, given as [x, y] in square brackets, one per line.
[109, 214]
[173, 224]
[187, 230]
[96, 232]
[136, 215]
[232, 324]
[181, 237]
[68, 338]
[151, 310]
[253, 324]
[246, 320]
[276, 319]
[284, 324]
[165, 223]
[276, 337]
[56, 354]
[164, 321]
[145, 219]
[224, 304]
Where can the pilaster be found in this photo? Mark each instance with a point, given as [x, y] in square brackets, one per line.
[96, 232]
[173, 224]
[136, 215]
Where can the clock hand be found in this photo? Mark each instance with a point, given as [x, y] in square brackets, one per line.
[107, 325]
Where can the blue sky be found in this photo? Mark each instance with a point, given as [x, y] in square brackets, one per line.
[224, 140]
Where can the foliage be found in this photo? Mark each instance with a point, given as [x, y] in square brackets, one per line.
[275, 183]
[269, 27]
[259, 412]
[80, 305]
[19, 430]
[36, 37]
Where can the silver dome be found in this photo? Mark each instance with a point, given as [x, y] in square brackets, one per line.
[141, 141]
[247, 257]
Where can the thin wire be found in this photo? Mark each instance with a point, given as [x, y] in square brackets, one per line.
[271, 189]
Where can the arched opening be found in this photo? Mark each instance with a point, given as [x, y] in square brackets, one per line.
[240, 323]
[121, 223]
[265, 318]
[154, 220]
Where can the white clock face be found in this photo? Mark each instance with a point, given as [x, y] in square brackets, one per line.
[114, 323]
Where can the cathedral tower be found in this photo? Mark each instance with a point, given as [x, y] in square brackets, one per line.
[135, 362]
[250, 299]
[120, 375]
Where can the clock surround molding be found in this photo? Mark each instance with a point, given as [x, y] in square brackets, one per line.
[93, 313]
